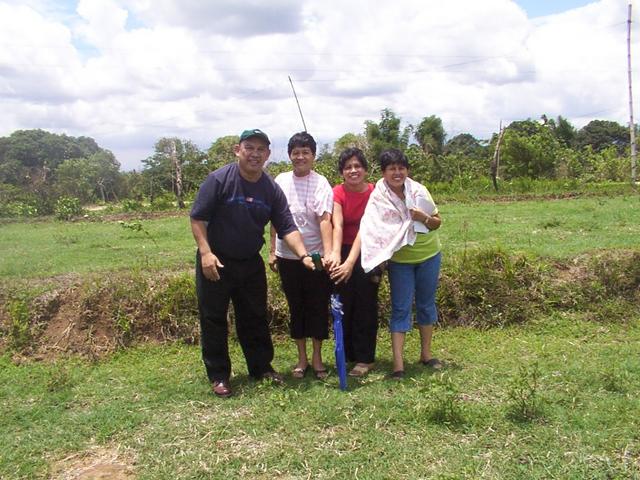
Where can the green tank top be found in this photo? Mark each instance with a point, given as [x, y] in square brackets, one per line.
[426, 246]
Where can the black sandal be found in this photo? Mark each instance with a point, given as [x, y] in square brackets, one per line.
[433, 363]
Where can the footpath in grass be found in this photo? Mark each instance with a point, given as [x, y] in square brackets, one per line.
[556, 398]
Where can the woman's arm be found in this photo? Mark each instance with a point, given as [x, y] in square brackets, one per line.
[326, 233]
[333, 255]
[432, 222]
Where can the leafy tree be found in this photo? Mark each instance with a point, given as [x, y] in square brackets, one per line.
[430, 135]
[326, 164]
[41, 149]
[133, 185]
[385, 134]
[564, 131]
[600, 134]
[349, 140]
[530, 150]
[421, 165]
[524, 127]
[30, 159]
[96, 177]
[76, 178]
[221, 153]
[159, 173]
[591, 166]
[464, 144]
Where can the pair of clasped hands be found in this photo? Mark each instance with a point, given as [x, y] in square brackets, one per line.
[331, 264]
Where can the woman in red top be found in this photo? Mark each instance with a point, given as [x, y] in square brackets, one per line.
[358, 291]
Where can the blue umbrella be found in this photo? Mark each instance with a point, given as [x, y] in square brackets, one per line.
[341, 363]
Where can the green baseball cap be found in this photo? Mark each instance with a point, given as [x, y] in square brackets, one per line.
[254, 132]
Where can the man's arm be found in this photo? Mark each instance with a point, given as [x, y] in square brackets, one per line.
[210, 263]
[294, 241]
[273, 261]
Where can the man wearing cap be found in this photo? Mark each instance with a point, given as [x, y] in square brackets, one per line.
[228, 218]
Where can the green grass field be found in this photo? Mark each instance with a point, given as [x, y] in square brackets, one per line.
[552, 228]
[151, 409]
[556, 397]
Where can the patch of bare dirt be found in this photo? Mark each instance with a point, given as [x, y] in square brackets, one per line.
[136, 216]
[69, 330]
[95, 464]
[575, 271]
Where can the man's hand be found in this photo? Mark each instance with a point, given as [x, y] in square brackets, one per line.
[308, 263]
[210, 266]
[273, 262]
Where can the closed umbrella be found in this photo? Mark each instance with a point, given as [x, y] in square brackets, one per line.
[341, 363]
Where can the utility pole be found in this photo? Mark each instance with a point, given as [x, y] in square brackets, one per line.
[178, 170]
[632, 126]
[495, 163]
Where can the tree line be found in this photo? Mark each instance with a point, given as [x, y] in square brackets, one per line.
[39, 169]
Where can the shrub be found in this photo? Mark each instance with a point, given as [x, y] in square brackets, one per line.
[163, 202]
[526, 404]
[177, 306]
[491, 288]
[67, 207]
[21, 209]
[20, 323]
[129, 205]
[447, 408]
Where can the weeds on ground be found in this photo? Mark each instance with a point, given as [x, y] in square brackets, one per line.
[137, 226]
[526, 404]
[20, 334]
[176, 306]
[447, 408]
[493, 288]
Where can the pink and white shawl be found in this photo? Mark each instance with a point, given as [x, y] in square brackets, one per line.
[386, 225]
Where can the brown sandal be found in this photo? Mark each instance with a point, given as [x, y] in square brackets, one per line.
[360, 370]
[299, 372]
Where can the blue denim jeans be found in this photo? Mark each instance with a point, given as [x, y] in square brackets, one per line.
[409, 281]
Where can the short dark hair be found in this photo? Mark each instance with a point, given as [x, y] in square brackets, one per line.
[301, 140]
[352, 152]
[393, 156]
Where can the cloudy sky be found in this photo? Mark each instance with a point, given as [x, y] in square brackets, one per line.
[127, 72]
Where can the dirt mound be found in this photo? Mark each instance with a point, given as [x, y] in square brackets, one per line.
[94, 316]
[69, 330]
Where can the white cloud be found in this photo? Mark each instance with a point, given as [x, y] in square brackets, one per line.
[127, 72]
[104, 20]
[231, 18]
